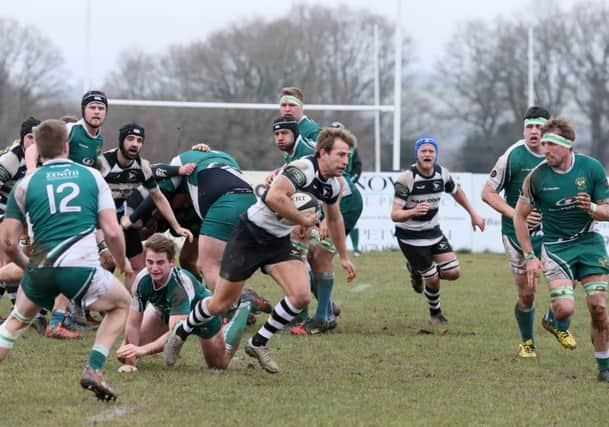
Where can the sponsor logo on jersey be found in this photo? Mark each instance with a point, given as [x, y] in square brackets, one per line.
[88, 161]
[566, 201]
[493, 173]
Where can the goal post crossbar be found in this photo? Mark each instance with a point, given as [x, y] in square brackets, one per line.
[244, 106]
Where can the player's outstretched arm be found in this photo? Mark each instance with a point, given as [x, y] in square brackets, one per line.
[165, 208]
[461, 198]
[115, 240]
[336, 228]
[492, 198]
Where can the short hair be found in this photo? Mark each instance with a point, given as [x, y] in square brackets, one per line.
[561, 126]
[161, 244]
[292, 91]
[50, 137]
[536, 112]
[327, 136]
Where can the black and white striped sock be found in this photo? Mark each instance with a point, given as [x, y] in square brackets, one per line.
[197, 317]
[433, 300]
[282, 314]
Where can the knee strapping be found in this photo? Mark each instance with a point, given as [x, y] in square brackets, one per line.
[430, 272]
[593, 288]
[449, 265]
[8, 338]
[565, 292]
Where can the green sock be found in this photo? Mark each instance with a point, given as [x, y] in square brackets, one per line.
[97, 357]
[56, 318]
[561, 325]
[233, 330]
[526, 320]
[602, 363]
[354, 235]
[325, 283]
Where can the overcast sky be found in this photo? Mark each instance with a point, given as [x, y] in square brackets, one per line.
[117, 25]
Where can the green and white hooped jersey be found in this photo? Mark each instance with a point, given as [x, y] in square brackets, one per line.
[308, 128]
[173, 297]
[509, 173]
[554, 194]
[84, 148]
[61, 200]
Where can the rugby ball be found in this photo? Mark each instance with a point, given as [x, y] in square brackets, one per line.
[304, 202]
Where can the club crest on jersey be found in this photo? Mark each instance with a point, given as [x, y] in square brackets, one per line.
[604, 261]
[580, 183]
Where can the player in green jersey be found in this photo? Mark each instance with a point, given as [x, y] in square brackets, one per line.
[508, 175]
[163, 295]
[64, 203]
[572, 192]
[291, 102]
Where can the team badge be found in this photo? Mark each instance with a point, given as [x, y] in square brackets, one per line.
[580, 183]
[604, 262]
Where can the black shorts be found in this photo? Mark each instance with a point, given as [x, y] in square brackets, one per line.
[420, 258]
[133, 243]
[250, 247]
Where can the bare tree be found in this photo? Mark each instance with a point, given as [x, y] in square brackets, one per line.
[326, 52]
[31, 74]
[586, 52]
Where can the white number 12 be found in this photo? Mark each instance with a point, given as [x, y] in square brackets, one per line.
[73, 192]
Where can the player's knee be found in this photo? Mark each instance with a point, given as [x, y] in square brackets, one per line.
[449, 270]
[598, 310]
[562, 309]
[11, 329]
[526, 301]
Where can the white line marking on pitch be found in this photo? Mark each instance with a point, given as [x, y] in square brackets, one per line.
[359, 288]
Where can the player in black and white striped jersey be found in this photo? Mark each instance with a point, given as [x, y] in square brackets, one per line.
[125, 170]
[260, 240]
[418, 192]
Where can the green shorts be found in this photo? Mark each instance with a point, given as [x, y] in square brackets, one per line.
[81, 284]
[576, 259]
[224, 213]
[351, 209]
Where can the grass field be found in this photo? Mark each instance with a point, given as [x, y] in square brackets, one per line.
[380, 367]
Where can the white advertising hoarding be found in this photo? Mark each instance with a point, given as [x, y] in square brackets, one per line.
[376, 227]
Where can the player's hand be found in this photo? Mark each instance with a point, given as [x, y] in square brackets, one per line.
[201, 146]
[129, 351]
[478, 221]
[107, 260]
[125, 222]
[324, 232]
[583, 201]
[309, 220]
[188, 168]
[533, 218]
[533, 272]
[302, 233]
[269, 178]
[127, 369]
[421, 209]
[185, 233]
[349, 268]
